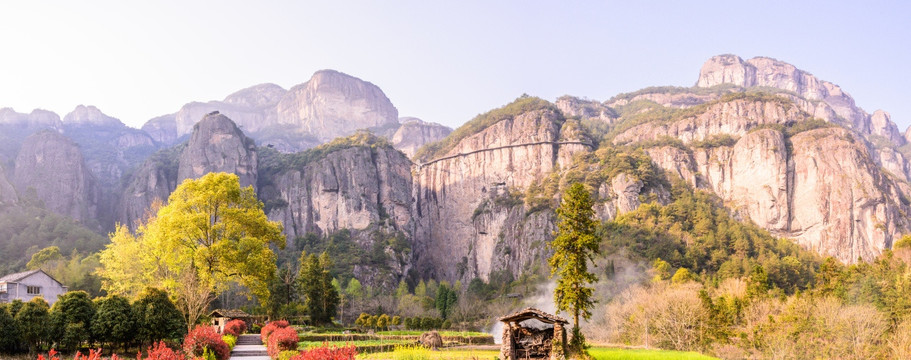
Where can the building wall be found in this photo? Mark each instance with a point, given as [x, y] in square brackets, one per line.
[50, 288]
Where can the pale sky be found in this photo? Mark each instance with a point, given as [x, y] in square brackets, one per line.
[439, 61]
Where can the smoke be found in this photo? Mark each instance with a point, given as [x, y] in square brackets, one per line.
[542, 299]
[616, 272]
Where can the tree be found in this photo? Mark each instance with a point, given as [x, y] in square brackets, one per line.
[681, 276]
[758, 283]
[114, 322]
[574, 246]
[446, 300]
[10, 330]
[33, 320]
[157, 318]
[212, 233]
[382, 322]
[321, 298]
[72, 318]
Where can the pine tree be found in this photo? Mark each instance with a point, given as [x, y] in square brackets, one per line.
[574, 246]
[321, 298]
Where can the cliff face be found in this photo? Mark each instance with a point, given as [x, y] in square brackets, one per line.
[331, 104]
[820, 187]
[734, 117]
[820, 98]
[110, 148]
[153, 181]
[452, 240]
[414, 133]
[334, 104]
[217, 145]
[50, 167]
[356, 188]
[7, 191]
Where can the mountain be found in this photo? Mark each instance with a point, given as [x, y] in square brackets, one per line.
[50, 168]
[774, 145]
[329, 105]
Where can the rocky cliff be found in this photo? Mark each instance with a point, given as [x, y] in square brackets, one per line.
[821, 98]
[354, 187]
[414, 133]
[520, 144]
[776, 166]
[331, 104]
[51, 169]
[8, 194]
[217, 145]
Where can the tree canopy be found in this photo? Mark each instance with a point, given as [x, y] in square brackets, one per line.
[210, 234]
[574, 246]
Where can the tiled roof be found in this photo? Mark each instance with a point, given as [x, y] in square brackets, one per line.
[234, 314]
[17, 276]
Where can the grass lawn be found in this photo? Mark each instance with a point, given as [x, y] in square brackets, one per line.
[424, 354]
[600, 353]
[442, 333]
[308, 344]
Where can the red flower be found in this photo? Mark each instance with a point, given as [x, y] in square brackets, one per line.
[203, 337]
[281, 340]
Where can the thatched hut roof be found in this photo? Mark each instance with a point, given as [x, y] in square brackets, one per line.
[532, 313]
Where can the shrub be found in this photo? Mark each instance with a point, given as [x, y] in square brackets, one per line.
[270, 328]
[114, 322]
[282, 339]
[235, 327]
[160, 352]
[204, 337]
[157, 318]
[327, 353]
[287, 354]
[231, 340]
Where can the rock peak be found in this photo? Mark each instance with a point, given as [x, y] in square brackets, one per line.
[262, 95]
[218, 145]
[90, 115]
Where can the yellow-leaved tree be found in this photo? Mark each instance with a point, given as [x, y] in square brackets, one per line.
[210, 234]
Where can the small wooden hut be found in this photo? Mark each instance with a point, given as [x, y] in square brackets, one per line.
[533, 334]
[220, 317]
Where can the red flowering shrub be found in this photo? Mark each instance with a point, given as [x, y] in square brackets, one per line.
[271, 327]
[204, 337]
[282, 339]
[327, 353]
[235, 327]
[160, 351]
[93, 355]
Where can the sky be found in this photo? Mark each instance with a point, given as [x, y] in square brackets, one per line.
[440, 61]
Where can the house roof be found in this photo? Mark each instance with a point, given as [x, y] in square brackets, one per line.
[17, 277]
[234, 314]
[532, 313]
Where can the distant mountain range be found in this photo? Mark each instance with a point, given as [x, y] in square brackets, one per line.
[780, 148]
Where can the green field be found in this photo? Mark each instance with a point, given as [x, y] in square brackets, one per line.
[599, 353]
[359, 343]
[442, 333]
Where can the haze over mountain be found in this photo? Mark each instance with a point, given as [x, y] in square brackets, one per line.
[778, 147]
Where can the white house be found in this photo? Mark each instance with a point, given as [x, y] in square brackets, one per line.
[27, 285]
